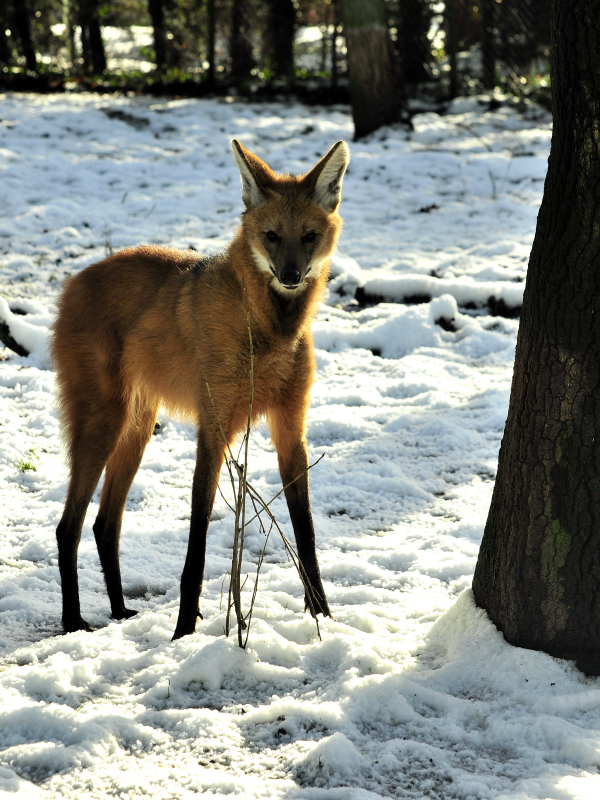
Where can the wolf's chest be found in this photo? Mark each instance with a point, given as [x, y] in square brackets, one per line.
[273, 368]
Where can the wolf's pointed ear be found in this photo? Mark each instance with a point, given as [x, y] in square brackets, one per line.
[256, 175]
[325, 179]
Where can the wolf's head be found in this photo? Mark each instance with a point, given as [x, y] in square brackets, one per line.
[291, 222]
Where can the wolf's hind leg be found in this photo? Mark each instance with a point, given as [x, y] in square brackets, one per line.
[121, 468]
[93, 434]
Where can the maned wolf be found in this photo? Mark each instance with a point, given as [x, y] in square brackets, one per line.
[151, 325]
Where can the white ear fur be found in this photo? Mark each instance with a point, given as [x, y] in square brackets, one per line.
[328, 189]
[252, 194]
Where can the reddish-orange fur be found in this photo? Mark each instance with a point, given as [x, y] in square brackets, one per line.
[150, 326]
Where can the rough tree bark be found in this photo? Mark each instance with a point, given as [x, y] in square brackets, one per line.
[373, 79]
[538, 573]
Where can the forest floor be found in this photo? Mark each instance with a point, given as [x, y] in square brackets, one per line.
[411, 693]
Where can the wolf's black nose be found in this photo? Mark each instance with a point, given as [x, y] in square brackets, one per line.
[290, 276]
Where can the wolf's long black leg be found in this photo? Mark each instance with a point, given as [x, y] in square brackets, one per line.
[206, 476]
[93, 438]
[120, 472]
[293, 464]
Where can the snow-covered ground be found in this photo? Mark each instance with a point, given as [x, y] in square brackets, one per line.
[411, 693]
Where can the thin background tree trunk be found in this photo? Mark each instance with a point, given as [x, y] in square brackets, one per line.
[538, 573]
[279, 37]
[373, 78]
[23, 30]
[414, 46]
[92, 47]
[96, 46]
[211, 24]
[157, 17]
[451, 45]
[68, 21]
[488, 43]
[240, 44]
[336, 16]
[5, 49]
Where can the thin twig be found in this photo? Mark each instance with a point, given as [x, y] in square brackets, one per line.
[304, 471]
[225, 499]
[245, 466]
[222, 585]
[258, 567]
[310, 592]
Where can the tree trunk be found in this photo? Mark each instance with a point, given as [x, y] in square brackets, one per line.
[68, 21]
[5, 48]
[240, 44]
[337, 21]
[451, 46]
[414, 46]
[157, 17]
[23, 31]
[92, 47]
[373, 79]
[538, 572]
[86, 58]
[488, 43]
[279, 37]
[211, 33]
[96, 46]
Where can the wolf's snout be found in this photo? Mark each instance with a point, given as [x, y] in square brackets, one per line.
[290, 276]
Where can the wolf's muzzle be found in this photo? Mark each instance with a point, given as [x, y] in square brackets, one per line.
[290, 277]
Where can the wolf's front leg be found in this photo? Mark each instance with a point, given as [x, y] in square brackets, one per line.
[293, 464]
[209, 460]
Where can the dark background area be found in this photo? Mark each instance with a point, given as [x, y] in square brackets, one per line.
[261, 47]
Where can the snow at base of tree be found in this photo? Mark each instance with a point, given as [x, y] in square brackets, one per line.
[411, 693]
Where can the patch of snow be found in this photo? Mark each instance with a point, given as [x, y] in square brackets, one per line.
[412, 692]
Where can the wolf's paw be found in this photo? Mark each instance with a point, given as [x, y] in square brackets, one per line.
[124, 613]
[72, 624]
[186, 626]
[317, 604]
[180, 632]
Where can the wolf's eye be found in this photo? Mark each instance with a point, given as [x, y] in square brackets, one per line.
[310, 237]
[272, 236]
